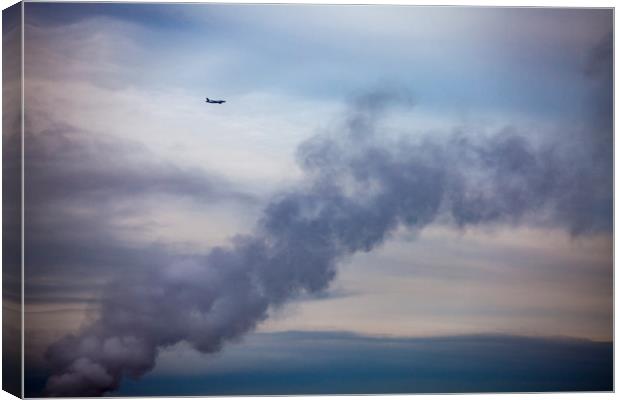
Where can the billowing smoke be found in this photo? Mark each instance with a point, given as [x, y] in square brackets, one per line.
[360, 186]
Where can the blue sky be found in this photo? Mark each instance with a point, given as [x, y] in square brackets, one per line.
[487, 58]
[458, 158]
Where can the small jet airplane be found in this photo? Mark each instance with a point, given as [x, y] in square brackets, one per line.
[215, 101]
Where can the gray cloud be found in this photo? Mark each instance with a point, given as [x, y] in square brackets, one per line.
[359, 188]
[67, 165]
[77, 187]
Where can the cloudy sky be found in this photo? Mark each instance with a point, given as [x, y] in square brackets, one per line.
[380, 177]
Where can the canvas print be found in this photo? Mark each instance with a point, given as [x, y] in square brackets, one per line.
[287, 199]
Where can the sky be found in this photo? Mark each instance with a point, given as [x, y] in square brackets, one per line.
[11, 204]
[379, 177]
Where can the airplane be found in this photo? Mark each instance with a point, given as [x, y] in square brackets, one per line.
[215, 101]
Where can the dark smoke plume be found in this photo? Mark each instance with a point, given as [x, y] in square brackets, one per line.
[359, 188]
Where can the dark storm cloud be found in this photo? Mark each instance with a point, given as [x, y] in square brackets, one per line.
[360, 187]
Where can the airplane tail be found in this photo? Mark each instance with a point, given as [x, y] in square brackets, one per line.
[207, 99]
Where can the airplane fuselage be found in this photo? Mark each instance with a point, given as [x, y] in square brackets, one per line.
[208, 100]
